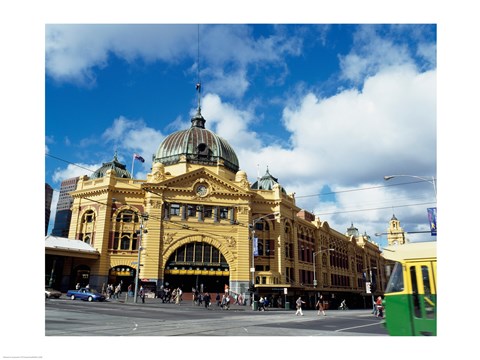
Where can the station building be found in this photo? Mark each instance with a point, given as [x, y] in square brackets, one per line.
[196, 222]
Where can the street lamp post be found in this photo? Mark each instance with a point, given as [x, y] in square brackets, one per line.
[143, 216]
[315, 269]
[432, 181]
[369, 269]
[252, 269]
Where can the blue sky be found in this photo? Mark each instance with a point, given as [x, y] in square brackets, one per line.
[329, 109]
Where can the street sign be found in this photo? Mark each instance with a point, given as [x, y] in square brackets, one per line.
[285, 291]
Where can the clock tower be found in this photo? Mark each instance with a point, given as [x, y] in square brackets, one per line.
[395, 233]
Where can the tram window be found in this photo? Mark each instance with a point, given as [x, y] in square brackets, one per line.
[395, 283]
[429, 301]
[415, 295]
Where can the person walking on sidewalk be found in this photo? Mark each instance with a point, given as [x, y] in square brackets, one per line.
[299, 303]
[379, 306]
[319, 306]
[141, 293]
[207, 298]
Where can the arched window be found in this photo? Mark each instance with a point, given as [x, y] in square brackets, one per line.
[87, 227]
[197, 254]
[125, 233]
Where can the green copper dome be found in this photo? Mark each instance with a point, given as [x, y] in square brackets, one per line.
[119, 168]
[266, 182]
[197, 145]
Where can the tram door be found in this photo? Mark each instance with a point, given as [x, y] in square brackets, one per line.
[424, 297]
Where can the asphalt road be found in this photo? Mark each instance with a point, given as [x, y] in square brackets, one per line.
[64, 317]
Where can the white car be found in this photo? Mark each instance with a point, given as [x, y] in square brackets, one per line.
[52, 293]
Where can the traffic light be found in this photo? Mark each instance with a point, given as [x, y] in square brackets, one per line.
[373, 287]
[251, 288]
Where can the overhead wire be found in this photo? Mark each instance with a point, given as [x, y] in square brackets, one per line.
[301, 196]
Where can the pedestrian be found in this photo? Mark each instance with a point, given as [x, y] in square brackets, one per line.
[141, 293]
[77, 287]
[299, 303]
[130, 290]
[217, 298]
[117, 291]
[178, 296]
[379, 306]
[319, 306]
[261, 302]
[266, 303]
[206, 298]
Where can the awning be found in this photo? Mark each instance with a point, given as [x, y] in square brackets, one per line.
[60, 246]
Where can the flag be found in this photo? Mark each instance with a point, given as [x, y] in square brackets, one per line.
[198, 86]
[255, 246]
[138, 157]
[432, 217]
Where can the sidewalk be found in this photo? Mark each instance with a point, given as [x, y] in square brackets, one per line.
[123, 299]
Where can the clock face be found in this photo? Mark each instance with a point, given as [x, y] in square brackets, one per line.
[201, 190]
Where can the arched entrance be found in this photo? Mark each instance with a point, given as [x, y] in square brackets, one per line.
[81, 275]
[197, 265]
[122, 274]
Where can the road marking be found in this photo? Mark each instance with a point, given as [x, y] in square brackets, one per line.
[356, 327]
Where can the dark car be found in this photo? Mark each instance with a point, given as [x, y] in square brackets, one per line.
[52, 293]
[85, 294]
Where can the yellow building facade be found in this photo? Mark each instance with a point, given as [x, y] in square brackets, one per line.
[196, 222]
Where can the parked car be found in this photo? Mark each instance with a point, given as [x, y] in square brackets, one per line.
[52, 293]
[85, 294]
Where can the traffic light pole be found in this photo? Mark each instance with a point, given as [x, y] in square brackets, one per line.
[143, 216]
[371, 290]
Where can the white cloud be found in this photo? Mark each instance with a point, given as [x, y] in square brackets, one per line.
[133, 136]
[72, 171]
[391, 121]
[372, 53]
[75, 52]
[230, 122]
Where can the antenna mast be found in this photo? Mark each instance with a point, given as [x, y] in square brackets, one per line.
[199, 84]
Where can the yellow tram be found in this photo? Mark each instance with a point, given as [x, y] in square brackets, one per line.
[411, 295]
